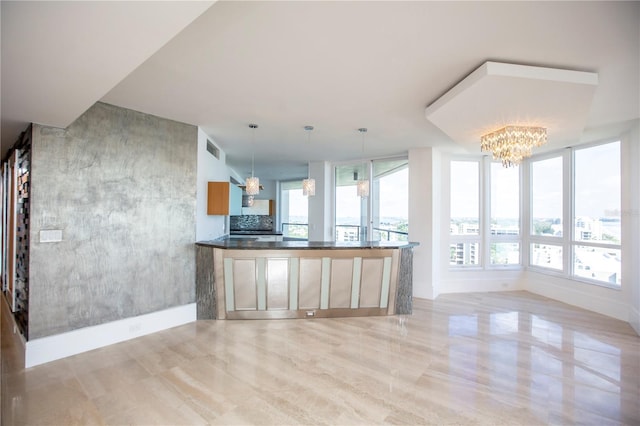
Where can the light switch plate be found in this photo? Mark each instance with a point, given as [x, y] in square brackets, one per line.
[51, 236]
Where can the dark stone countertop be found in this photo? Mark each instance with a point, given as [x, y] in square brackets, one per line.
[304, 245]
[254, 232]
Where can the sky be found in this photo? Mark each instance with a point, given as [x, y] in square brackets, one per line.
[394, 198]
[465, 189]
[597, 185]
[598, 180]
[597, 175]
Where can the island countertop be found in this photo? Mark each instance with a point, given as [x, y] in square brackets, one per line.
[254, 232]
[236, 244]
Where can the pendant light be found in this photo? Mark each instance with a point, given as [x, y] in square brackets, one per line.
[362, 188]
[252, 184]
[308, 184]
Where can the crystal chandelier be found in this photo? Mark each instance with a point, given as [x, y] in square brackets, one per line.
[252, 184]
[362, 187]
[512, 144]
[308, 184]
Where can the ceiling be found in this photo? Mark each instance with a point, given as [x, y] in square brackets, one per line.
[515, 95]
[337, 66]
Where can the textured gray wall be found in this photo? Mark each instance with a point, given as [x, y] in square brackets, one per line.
[121, 185]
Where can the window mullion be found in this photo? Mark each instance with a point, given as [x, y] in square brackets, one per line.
[485, 210]
[525, 213]
[568, 208]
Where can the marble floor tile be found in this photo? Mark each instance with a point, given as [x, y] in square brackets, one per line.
[466, 359]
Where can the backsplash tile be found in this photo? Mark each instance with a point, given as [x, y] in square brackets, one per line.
[251, 223]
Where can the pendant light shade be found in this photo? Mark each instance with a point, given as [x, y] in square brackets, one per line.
[362, 188]
[309, 187]
[252, 184]
[308, 184]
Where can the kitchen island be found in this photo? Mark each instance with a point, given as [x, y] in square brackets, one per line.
[239, 279]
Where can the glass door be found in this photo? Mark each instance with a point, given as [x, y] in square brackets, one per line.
[294, 211]
[383, 215]
[351, 214]
[390, 200]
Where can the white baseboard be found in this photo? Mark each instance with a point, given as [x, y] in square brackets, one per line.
[481, 281]
[602, 300]
[50, 348]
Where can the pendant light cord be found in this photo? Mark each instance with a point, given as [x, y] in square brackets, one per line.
[308, 129]
[362, 131]
[253, 144]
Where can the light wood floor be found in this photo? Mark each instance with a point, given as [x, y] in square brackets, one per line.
[486, 359]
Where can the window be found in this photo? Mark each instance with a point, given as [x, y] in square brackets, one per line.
[546, 256]
[546, 197]
[596, 216]
[390, 198]
[589, 248]
[384, 215]
[546, 228]
[465, 198]
[351, 210]
[572, 226]
[470, 242]
[294, 212]
[464, 228]
[461, 254]
[505, 215]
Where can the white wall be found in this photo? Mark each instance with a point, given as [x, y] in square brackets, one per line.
[209, 169]
[270, 190]
[631, 218]
[321, 205]
[595, 298]
[424, 219]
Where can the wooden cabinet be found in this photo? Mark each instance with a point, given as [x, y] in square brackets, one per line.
[223, 198]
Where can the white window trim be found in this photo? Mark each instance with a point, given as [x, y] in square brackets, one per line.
[489, 238]
[464, 238]
[567, 241]
[484, 238]
[525, 238]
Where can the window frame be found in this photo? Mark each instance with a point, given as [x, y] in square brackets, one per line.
[484, 239]
[366, 204]
[568, 241]
[285, 186]
[574, 242]
[530, 238]
[490, 238]
[526, 238]
[469, 238]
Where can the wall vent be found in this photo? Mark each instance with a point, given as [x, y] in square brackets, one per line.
[213, 149]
